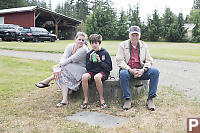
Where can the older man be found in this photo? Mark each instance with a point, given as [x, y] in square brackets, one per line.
[134, 61]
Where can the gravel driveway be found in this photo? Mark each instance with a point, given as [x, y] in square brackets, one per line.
[178, 74]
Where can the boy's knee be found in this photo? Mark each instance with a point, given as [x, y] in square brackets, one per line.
[97, 77]
[85, 76]
[52, 68]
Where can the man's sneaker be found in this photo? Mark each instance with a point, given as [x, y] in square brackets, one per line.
[150, 105]
[127, 104]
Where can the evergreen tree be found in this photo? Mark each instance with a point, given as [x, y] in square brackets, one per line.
[75, 12]
[49, 5]
[168, 25]
[196, 30]
[196, 4]
[42, 4]
[91, 24]
[96, 4]
[32, 2]
[144, 31]
[59, 9]
[187, 19]
[5, 4]
[82, 9]
[173, 27]
[181, 31]
[67, 9]
[122, 27]
[134, 18]
[154, 27]
[71, 2]
[194, 14]
[102, 21]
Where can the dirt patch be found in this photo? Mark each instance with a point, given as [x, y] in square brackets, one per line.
[180, 75]
[36, 112]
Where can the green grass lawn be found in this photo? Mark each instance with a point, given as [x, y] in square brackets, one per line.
[25, 108]
[55, 47]
[20, 74]
[158, 50]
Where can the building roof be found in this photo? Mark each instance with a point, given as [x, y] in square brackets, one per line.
[21, 9]
[189, 26]
[32, 8]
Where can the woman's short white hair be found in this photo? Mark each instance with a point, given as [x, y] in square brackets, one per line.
[80, 33]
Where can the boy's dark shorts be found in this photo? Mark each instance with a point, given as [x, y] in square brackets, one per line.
[92, 74]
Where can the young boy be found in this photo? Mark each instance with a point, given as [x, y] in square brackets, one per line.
[98, 66]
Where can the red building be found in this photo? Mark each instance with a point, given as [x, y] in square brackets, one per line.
[34, 16]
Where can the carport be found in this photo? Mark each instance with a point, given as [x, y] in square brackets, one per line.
[33, 16]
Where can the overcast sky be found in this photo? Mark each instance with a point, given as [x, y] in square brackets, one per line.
[146, 7]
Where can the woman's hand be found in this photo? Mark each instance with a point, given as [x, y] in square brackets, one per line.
[57, 72]
[57, 75]
[76, 46]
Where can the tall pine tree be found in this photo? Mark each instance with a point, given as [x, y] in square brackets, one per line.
[122, 27]
[154, 27]
[82, 9]
[59, 9]
[67, 9]
[196, 30]
[168, 25]
[196, 4]
[5, 4]
[133, 16]
[42, 4]
[181, 31]
[102, 21]
[49, 6]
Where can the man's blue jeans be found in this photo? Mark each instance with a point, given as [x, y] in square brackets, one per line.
[151, 73]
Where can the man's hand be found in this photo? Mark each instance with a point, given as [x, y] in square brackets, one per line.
[139, 73]
[136, 72]
[132, 71]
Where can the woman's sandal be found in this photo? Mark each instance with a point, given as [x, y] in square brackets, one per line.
[103, 105]
[84, 105]
[42, 85]
[61, 105]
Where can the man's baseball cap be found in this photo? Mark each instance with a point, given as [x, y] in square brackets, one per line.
[135, 29]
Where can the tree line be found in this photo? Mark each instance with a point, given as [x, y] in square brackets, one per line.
[98, 16]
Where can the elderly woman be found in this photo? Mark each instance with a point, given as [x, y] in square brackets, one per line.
[70, 69]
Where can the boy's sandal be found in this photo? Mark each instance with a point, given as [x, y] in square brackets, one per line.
[103, 105]
[61, 104]
[42, 85]
[84, 105]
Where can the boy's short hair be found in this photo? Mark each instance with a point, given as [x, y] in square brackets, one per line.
[81, 34]
[95, 38]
